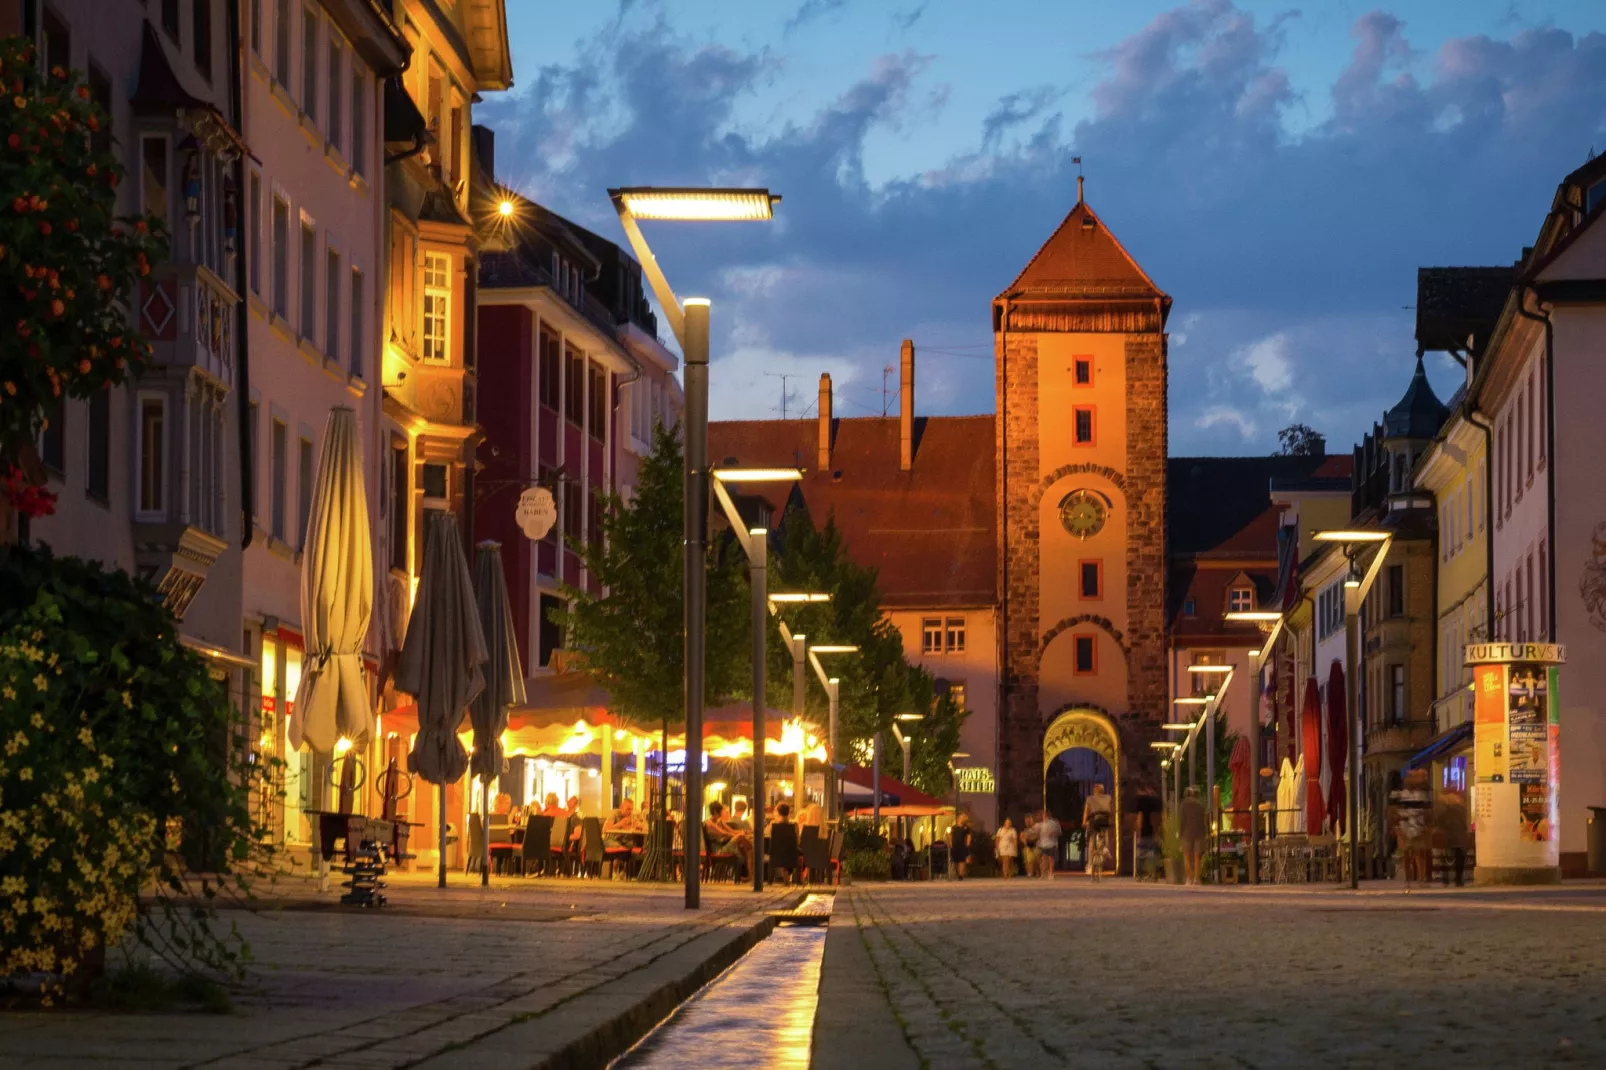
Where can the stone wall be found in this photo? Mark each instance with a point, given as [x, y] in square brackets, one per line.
[1148, 685]
[1020, 759]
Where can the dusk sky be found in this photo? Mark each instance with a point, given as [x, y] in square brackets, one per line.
[1280, 171]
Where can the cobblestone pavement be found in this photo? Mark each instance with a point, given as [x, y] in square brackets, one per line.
[435, 972]
[1025, 973]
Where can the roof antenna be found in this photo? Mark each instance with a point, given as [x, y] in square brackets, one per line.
[1077, 160]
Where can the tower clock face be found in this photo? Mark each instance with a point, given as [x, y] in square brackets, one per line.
[1083, 513]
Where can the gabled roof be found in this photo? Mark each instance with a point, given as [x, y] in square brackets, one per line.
[1083, 259]
[930, 532]
[1221, 506]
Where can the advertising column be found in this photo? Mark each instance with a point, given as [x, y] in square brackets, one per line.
[1516, 782]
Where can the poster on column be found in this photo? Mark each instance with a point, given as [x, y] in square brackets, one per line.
[1489, 725]
[1528, 749]
[1516, 723]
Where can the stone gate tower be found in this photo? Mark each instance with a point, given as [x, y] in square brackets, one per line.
[1080, 350]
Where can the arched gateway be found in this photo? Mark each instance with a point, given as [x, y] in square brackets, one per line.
[1081, 748]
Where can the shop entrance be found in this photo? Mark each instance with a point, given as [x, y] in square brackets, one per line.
[1080, 749]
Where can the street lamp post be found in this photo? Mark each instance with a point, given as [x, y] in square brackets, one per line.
[755, 544]
[903, 740]
[833, 809]
[690, 326]
[1271, 623]
[1354, 596]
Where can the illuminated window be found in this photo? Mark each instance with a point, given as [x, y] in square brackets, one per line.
[1206, 683]
[437, 306]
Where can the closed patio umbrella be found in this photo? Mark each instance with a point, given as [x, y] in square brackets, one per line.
[1239, 766]
[1310, 758]
[1338, 745]
[337, 597]
[504, 679]
[441, 660]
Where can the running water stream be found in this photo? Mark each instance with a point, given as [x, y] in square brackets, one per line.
[757, 1014]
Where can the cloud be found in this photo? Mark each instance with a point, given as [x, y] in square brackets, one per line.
[1294, 242]
[812, 11]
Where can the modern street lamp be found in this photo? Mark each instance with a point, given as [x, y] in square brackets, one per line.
[833, 808]
[690, 327]
[755, 544]
[1354, 596]
[903, 740]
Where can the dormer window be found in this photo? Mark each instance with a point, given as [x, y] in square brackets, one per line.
[1241, 600]
[1594, 195]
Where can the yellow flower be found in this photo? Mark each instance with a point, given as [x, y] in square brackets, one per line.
[86, 737]
[9, 693]
[128, 700]
[40, 683]
[38, 720]
[25, 774]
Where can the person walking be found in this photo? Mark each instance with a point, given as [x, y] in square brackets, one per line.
[1006, 845]
[1192, 830]
[1028, 845]
[1048, 844]
[1098, 821]
[959, 845]
[1450, 818]
[1412, 810]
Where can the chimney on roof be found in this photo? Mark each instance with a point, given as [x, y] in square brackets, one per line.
[906, 407]
[1078, 189]
[823, 460]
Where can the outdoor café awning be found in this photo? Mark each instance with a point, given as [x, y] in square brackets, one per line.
[1456, 739]
[904, 811]
[856, 791]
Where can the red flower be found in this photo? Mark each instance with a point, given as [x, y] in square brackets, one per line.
[19, 205]
[84, 366]
[105, 282]
[27, 499]
[57, 308]
[15, 141]
[44, 228]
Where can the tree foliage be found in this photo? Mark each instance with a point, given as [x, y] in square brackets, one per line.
[877, 683]
[69, 266]
[1300, 440]
[632, 635]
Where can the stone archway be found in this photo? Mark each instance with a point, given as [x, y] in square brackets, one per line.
[1084, 727]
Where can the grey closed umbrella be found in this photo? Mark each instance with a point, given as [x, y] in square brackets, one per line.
[504, 679]
[441, 660]
[337, 597]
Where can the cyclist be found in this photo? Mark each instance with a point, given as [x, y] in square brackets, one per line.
[1097, 820]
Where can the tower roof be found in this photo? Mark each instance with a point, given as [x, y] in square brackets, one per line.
[1419, 414]
[1082, 259]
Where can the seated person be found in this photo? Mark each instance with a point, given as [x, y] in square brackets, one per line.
[551, 808]
[515, 817]
[621, 824]
[783, 816]
[738, 819]
[722, 838]
[576, 829]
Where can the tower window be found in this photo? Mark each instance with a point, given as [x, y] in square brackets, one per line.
[1082, 431]
[1082, 371]
[1087, 662]
[1091, 579]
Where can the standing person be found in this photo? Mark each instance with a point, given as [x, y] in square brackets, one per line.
[1006, 845]
[959, 845]
[1098, 821]
[1148, 807]
[1192, 829]
[1450, 817]
[1048, 844]
[1028, 845]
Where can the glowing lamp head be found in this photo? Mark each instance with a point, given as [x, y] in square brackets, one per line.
[504, 208]
[691, 204]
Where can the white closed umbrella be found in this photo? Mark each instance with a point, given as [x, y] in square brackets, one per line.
[441, 660]
[337, 597]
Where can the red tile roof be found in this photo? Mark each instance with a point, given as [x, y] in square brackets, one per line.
[1082, 258]
[930, 533]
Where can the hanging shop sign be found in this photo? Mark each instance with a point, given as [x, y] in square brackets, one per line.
[537, 512]
[1516, 759]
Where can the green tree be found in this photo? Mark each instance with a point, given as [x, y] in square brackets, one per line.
[877, 683]
[1300, 440]
[632, 634]
[69, 266]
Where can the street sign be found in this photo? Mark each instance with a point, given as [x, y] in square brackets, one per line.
[537, 512]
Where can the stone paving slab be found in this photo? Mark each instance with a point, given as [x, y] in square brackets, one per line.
[437, 976]
[1028, 973]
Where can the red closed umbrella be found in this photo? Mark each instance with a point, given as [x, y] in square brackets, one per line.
[1337, 743]
[1310, 723]
[1239, 764]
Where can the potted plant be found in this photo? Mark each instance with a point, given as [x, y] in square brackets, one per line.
[1171, 849]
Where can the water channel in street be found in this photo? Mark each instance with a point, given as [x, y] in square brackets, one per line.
[758, 1013]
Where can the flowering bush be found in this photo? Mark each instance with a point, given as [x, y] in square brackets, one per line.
[69, 265]
[124, 799]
